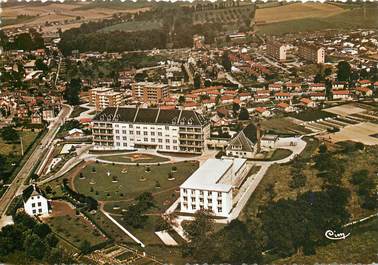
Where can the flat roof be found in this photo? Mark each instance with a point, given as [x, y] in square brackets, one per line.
[209, 175]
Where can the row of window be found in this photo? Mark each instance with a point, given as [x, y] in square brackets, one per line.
[39, 211]
[159, 140]
[209, 201]
[201, 207]
[167, 147]
[201, 193]
[39, 204]
[145, 128]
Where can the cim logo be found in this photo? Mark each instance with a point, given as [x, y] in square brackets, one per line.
[332, 235]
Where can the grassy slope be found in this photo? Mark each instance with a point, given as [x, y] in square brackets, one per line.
[133, 26]
[351, 19]
[360, 247]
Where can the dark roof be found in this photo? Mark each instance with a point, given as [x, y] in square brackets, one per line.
[170, 116]
[146, 115]
[158, 116]
[31, 191]
[251, 132]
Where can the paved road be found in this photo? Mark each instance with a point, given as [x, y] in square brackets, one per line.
[17, 185]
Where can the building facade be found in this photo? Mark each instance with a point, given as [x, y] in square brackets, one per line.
[163, 130]
[108, 99]
[149, 92]
[211, 186]
[276, 50]
[312, 53]
[34, 201]
[94, 91]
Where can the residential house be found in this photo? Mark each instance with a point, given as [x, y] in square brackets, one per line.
[35, 203]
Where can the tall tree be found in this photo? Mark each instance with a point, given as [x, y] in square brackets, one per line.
[344, 71]
[226, 62]
[197, 81]
[72, 92]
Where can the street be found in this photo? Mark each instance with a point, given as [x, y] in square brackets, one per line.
[17, 185]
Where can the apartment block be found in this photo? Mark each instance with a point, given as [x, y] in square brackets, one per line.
[108, 99]
[123, 128]
[211, 186]
[94, 91]
[276, 50]
[103, 97]
[149, 92]
[312, 53]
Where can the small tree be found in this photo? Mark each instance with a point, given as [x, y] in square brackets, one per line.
[174, 169]
[157, 184]
[48, 189]
[85, 247]
[170, 176]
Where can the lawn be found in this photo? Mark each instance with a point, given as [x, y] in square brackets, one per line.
[360, 247]
[75, 229]
[135, 158]
[111, 230]
[107, 182]
[280, 153]
[283, 125]
[77, 111]
[147, 233]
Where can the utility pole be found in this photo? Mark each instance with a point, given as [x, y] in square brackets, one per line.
[22, 145]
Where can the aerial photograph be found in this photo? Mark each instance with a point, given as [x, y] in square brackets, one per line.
[148, 132]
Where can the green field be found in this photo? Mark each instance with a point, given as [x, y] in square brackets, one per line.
[134, 26]
[15, 148]
[18, 20]
[75, 229]
[135, 158]
[312, 115]
[131, 183]
[351, 19]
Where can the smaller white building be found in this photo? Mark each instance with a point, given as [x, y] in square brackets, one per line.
[34, 201]
[211, 186]
[269, 141]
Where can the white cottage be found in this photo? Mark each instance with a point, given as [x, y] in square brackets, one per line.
[34, 201]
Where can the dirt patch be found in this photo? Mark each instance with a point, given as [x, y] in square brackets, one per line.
[362, 132]
[345, 110]
[61, 208]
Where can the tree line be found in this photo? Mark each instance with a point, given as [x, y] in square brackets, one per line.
[28, 241]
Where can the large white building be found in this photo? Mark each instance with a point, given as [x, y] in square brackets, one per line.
[211, 186]
[126, 128]
[34, 201]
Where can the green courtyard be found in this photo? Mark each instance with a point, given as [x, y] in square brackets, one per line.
[108, 182]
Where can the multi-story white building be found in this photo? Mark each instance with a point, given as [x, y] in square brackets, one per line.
[103, 97]
[276, 50]
[34, 202]
[312, 53]
[211, 186]
[97, 90]
[120, 128]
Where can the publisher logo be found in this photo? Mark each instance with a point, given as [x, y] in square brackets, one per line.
[332, 235]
